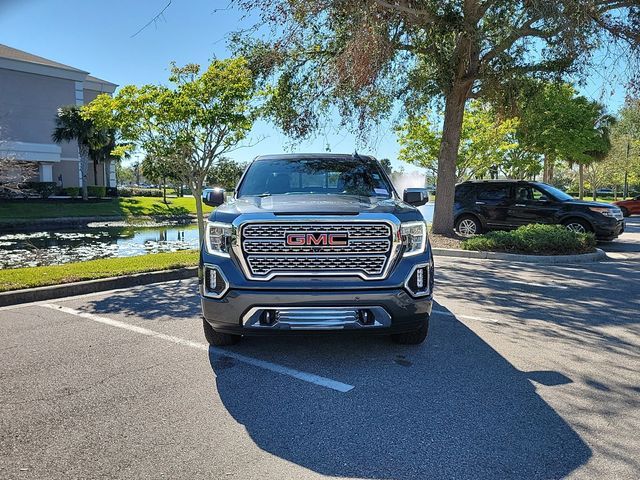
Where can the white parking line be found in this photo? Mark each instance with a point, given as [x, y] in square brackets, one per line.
[515, 282]
[272, 367]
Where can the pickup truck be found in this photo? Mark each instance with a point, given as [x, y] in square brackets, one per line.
[316, 243]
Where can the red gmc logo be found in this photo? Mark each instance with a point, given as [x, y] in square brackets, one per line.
[317, 239]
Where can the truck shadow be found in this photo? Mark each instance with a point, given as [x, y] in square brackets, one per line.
[451, 408]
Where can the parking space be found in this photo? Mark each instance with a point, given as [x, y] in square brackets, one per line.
[528, 372]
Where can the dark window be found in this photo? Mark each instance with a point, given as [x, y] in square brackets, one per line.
[343, 176]
[493, 192]
[462, 191]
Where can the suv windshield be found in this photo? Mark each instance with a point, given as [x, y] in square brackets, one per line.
[554, 192]
[346, 176]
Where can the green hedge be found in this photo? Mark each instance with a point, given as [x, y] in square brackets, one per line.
[44, 189]
[534, 240]
[139, 192]
[73, 192]
[97, 191]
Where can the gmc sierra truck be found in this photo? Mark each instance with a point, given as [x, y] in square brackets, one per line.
[316, 243]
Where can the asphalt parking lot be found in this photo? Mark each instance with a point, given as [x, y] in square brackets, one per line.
[528, 372]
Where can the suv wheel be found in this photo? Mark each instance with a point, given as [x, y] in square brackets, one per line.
[413, 338]
[218, 339]
[625, 211]
[577, 225]
[468, 225]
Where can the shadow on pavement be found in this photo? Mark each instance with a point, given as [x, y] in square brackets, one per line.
[451, 408]
[176, 300]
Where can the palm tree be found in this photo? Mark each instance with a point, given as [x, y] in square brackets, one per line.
[70, 125]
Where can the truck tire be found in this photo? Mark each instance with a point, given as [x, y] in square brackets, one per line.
[625, 211]
[413, 338]
[218, 339]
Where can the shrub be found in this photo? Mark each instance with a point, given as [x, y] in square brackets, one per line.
[44, 189]
[139, 192]
[73, 192]
[96, 191]
[534, 240]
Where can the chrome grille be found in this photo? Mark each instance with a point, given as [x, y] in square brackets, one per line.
[370, 264]
[278, 246]
[265, 252]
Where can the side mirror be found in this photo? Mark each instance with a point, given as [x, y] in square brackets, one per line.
[214, 198]
[416, 196]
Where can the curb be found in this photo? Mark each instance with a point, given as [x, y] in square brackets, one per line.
[597, 256]
[38, 294]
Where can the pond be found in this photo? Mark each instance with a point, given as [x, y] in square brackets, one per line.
[57, 247]
[98, 241]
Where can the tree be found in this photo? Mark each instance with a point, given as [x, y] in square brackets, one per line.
[194, 123]
[386, 164]
[70, 126]
[485, 143]
[561, 125]
[160, 170]
[226, 174]
[124, 174]
[364, 57]
[626, 142]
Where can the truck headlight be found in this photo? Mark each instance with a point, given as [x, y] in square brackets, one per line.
[414, 237]
[218, 238]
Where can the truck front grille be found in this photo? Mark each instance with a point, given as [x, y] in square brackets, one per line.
[363, 248]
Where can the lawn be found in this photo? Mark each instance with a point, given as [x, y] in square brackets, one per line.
[125, 207]
[17, 278]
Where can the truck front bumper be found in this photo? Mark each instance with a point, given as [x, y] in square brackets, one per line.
[264, 311]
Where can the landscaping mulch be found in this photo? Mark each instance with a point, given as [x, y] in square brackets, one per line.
[445, 241]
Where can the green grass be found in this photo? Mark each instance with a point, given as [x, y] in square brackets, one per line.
[534, 240]
[18, 278]
[125, 207]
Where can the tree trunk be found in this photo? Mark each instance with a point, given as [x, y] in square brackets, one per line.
[550, 172]
[84, 167]
[197, 193]
[95, 172]
[625, 189]
[445, 189]
[581, 181]
[164, 190]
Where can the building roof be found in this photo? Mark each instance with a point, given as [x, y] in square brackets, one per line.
[15, 54]
[10, 53]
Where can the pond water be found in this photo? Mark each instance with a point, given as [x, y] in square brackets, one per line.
[56, 247]
[63, 246]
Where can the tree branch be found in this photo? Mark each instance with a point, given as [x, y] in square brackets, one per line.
[402, 6]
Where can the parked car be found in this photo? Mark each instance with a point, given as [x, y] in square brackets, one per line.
[506, 204]
[604, 191]
[316, 243]
[629, 207]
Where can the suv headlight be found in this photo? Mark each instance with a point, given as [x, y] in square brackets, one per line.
[607, 212]
[218, 238]
[414, 237]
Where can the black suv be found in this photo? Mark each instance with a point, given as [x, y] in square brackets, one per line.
[506, 204]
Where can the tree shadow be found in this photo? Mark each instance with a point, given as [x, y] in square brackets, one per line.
[451, 408]
[172, 301]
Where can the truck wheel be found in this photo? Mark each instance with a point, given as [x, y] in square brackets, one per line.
[625, 211]
[413, 338]
[218, 339]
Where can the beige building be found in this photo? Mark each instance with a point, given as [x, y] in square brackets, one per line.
[32, 89]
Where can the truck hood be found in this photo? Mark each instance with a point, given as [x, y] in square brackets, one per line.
[276, 205]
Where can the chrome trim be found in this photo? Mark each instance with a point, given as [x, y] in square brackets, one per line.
[207, 293]
[391, 220]
[427, 281]
[316, 318]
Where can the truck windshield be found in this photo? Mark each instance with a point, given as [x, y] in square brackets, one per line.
[343, 176]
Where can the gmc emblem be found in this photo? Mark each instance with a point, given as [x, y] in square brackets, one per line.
[317, 239]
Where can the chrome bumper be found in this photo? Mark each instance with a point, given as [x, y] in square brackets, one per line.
[316, 318]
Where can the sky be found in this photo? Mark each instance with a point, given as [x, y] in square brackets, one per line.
[100, 37]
